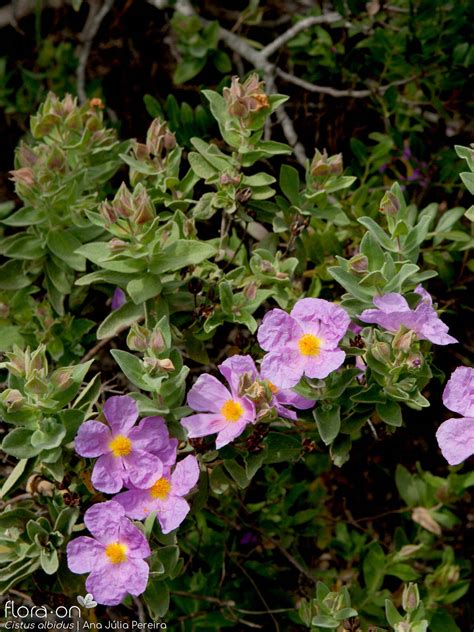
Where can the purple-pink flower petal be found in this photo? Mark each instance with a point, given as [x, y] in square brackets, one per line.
[284, 367]
[142, 468]
[103, 520]
[278, 329]
[121, 411]
[230, 432]
[322, 318]
[324, 363]
[83, 554]
[171, 513]
[185, 476]
[92, 439]
[458, 394]
[456, 439]
[203, 424]
[235, 367]
[208, 394]
[108, 474]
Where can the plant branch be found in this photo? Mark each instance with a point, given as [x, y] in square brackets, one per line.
[94, 19]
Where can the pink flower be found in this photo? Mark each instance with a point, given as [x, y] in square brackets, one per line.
[126, 453]
[304, 342]
[240, 371]
[393, 312]
[221, 411]
[455, 436]
[165, 496]
[114, 557]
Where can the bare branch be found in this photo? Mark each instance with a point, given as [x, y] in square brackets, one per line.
[92, 25]
[287, 124]
[302, 25]
[335, 92]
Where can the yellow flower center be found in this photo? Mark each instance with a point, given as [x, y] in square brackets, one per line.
[161, 489]
[274, 389]
[309, 345]
[232, 410]
[120, 446]
[116, 552]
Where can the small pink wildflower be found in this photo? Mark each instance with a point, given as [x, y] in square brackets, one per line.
[304, 342]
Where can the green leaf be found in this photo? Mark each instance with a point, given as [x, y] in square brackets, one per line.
[168, 556]
[18, 444]
[49, 561]
[290, 184]
[63, 244]
[350, 284]
[180, 254]
[146, 287]
[157, 599]
[392, 614]
[237, 472]
[323, 621]
[281, 448]
[13, 477]
[374, 567]
[378, 233]
[21, 246]
[132, 368]
[468, 180]
[188, 68]
[390, 412]
[119, 319]
[328, 421]
[12, 276]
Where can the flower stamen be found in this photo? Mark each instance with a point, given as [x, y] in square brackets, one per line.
[232, 411]
[309, 345]
[160, 489]
[116, 552]
[120, 446]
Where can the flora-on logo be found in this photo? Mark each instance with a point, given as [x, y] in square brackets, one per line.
[87, 601]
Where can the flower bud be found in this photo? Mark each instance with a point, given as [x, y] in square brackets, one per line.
[166, 365]
[423, 517]
[157, 342]
[26, 156]
[404, 340]
[324, 165]
[359, 264]
[144, 210]
[23, 176]
[250, 292]
[61, 378]
[123, 202]
[390, 204]
[244, 99]
[39, 361]
[228, 179]
[12, 399]
[96, 103]
[381, 351]
[138, 338]
[18, 361]
[36, 384]
[403, 626]
[108, 213]
[266, 267]
[116, 245]
[411, 597]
